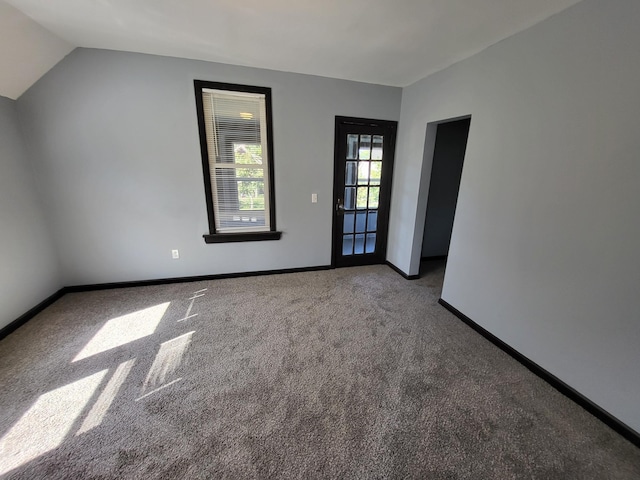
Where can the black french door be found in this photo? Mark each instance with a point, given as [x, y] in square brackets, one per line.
[363, 167]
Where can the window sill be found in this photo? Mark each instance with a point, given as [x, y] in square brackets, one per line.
[241, 237]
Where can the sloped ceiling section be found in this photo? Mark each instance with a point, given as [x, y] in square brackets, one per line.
[27, 51]
[376, 41]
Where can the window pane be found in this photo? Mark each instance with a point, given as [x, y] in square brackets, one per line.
[247, 153]
[359, 245]
[361, 220]
[376, 173]
[372, 222]
[348, 223]
[350, 173]
[364, 152]
[347, 245]
[361, 202]
[350, 198]
[376, 151]
[352, 146]
[249, 173]
[251, 194]
[239, 189]
[374, 195]
[241, 201]
[363, 173]
[371, 243]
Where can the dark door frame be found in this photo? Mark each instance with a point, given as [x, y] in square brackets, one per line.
[342, 122]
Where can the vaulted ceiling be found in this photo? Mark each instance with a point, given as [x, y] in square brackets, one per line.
[390, 42]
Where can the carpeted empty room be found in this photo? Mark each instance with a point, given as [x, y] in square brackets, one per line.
[347, 373]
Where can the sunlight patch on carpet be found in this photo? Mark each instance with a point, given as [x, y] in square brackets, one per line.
[99, 410]
[188, 315]
[46, 424]
[167, 361]
[125, 329]
[158, 389]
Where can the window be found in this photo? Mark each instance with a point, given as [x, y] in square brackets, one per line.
[237, 161]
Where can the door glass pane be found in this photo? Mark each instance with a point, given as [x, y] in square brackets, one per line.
[372, 222]
[350, 198]
[350, 173]
[376, 173]
[365, 147]
[361, 221]
[352, 146]
[348, 223]
[361, 202]
[363, 173]
[374, 196]
[371, 243]
[347, 245]
[376, 151]
[359, 245]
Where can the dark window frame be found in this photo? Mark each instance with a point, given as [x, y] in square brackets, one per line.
[213, 236]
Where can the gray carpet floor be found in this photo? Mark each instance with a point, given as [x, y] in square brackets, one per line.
[348, 373]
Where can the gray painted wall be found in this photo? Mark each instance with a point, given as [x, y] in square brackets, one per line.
[545, 246]
[444, 183]
[115, 141]
[28, 263]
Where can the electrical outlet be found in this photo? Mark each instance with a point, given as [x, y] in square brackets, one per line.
[314, 198]
[175, 254]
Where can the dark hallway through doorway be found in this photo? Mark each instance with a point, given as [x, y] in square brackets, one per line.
[446, 171]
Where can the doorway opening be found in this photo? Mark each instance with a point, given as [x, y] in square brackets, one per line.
[448, 151]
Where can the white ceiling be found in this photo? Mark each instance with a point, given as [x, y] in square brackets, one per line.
[390, 42]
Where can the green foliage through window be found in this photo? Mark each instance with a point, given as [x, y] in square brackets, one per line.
[250, 192]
